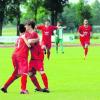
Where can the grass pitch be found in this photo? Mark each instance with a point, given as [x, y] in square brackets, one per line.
[70, 76]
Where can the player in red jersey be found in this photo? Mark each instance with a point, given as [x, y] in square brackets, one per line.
[19, 60]
[47, 31]
[20, 63]
[85, 32]
[36, 62]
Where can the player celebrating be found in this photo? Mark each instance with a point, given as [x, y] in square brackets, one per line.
[59, 36]
[37, 57]
[47, 31]
[85, 32]
[20, 62]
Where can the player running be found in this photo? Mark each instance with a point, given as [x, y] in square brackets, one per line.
[47, 31]
[85, 32]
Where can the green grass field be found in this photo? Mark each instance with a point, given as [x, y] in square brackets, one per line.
[70, 76]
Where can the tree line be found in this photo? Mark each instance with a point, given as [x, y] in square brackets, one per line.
[72, 15]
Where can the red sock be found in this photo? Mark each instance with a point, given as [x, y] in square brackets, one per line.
[9, 81]
[45, 80]
[23, 82]
[35, 82]
[86, 51]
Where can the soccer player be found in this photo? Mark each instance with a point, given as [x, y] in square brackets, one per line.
[20, 62]
[85, 32]
[59, 37]
[47, 31]
[36, 61]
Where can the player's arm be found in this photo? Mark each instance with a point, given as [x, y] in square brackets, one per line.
[59, 27]
[54, 29]
[39, 27]
[64, 27]
[79, 31]
[33, 40]
[25, 40]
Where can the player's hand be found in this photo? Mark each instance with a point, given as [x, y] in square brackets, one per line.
[82, 35]
[29, 45]
[29, 41]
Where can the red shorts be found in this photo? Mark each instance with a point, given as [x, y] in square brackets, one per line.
[21, 64]
[84, 40]
[36, 64]
[46, 44]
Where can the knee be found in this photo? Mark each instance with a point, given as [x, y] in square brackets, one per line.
[48, 50]
[42, 72]
[17, 76]
[31, 74]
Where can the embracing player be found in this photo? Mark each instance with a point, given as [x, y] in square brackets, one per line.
[37, 58]
[85, 32]
[20, 63]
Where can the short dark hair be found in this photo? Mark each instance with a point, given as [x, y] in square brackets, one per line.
[31, 23]
[22, 28]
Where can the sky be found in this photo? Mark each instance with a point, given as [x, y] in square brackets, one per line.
[75, 1]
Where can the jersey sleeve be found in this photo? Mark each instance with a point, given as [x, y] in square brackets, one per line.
[39, 27]
[54, 28]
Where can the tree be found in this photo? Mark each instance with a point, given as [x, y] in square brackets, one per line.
[84, 11]
[69, 15]
[55, 7]
[33, 6]
[3, 7]
[96, 12]
[13, 11]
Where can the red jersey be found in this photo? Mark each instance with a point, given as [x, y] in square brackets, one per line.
[86, 31]
[37, 52]
[21, 49]
[46, 32]
[32, 35]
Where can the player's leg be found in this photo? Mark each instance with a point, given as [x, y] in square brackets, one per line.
[82, 41]
[87, 43]
[61, 45]
[34, 80]
[23, 84]
[48, 53]
[86, 49]
[44, 47]
[23, 71]
[45, 81]
[13, 77]
[56, 43]
[32, 73]
[40, 69]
